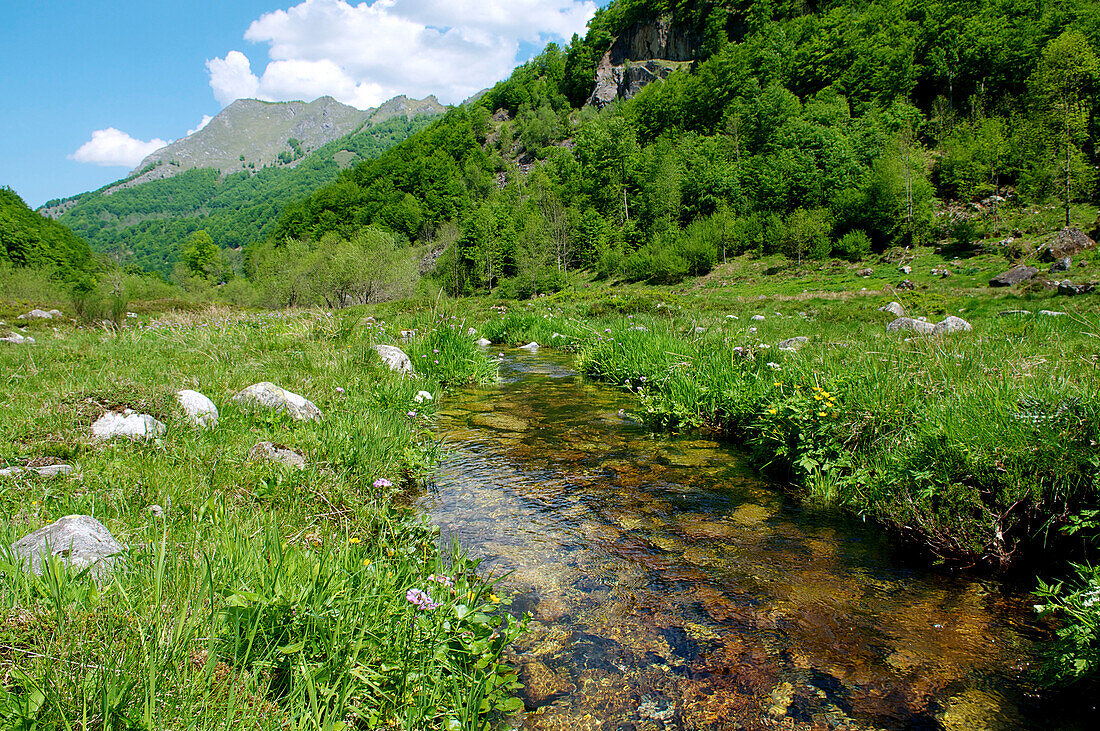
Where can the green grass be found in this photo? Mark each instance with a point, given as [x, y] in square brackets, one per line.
[267, 597]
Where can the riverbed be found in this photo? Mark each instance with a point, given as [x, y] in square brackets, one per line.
[671, 588]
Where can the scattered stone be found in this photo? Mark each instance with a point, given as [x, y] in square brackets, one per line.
[278, 453]
[905, 269]
[758, 318]
[422, 396]
[894, 308]
[1070, 289]
[395, 358]
[865, 272]
[952, 324]
[1014, 313]
[37, 314]
[531, 346]
[555, 336]
[1062, 265]
[1015, 275]
[18, 339]
[1052, 313]
[79, 541]
[908, 323]
[793, 343]
[905, 284]
[1067, 242]
[941, 273]
[484, 343]
[128, 424]
[51, 470]
[269, 396]
[200, 410]
[156, 512]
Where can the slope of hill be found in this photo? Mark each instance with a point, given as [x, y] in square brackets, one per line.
[144, 220]
[823, 130]
[29, 240]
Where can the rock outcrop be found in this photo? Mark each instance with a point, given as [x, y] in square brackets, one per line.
[642, 54]
[907, 323]
[1067, 242]
[279, 454]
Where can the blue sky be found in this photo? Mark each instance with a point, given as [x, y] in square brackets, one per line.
[151, 70]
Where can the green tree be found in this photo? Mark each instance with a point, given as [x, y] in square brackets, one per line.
[200, 253]
[1061, 83]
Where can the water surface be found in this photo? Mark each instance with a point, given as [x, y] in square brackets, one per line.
[670, 588]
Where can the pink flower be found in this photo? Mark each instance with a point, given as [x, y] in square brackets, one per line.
[411, 414]
[382, 482]
[421, 599]
[443, 580]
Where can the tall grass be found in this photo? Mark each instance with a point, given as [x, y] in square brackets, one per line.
[265, 597]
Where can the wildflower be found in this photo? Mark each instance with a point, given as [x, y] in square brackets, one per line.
[353, 541]
[774, 366]
[382, 482]
[494, 598]
[366, 562]
[411, 414]
[435, 350]
[822, 413]
[442, 580]
[339, 389]
[773, 412]
[607, 330]
[420, 599]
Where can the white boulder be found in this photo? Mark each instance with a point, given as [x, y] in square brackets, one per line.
[200, 410]
[128, 425]
[267, 395]
[395, 358]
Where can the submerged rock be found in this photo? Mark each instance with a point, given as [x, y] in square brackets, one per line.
[79, 540]
[128, 424]
[279, 454]
[267, 395]
[499, 422]
[200, 410]
[483, 342]
[531, 346]
[395, 358]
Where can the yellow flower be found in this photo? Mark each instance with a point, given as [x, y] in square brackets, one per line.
[494, 598]
[817, 397]
[366, 562]
[822, 413]
[389, 552]
[773, 412]
[353, 541]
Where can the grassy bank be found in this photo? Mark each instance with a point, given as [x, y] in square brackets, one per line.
[980, 445]
[253, 595]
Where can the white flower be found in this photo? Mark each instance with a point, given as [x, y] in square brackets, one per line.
[773, 366]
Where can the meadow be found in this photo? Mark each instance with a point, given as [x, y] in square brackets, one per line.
[251, 594]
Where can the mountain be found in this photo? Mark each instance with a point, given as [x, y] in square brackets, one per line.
[29, 240]
[201, 182]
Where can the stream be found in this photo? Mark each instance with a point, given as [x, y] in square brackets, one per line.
[672, 588]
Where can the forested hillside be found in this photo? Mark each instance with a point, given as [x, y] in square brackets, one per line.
[31, 241]
[815, 129]
[149, 224]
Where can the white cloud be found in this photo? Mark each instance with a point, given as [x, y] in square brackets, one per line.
[205, 121]
[364, 54]
[232, 78]
[113, 148]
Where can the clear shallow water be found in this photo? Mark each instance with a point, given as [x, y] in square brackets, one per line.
[672, 589]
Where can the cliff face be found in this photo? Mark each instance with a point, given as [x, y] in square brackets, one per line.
[644, 53]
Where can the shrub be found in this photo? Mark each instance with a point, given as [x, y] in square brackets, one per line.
[853, 246]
